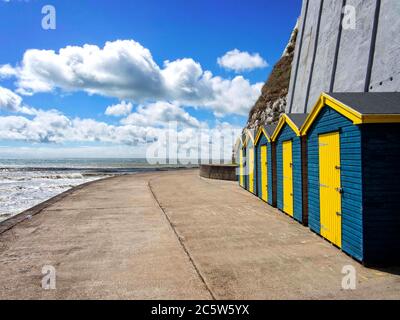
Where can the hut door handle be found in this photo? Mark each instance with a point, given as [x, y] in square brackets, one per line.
[291, 165]
[338, 167]
[340, 190]
[338, 214]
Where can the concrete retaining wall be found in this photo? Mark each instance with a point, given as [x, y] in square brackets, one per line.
[219, 172]
[330, 58]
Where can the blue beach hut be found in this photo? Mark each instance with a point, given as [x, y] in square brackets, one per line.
[290, 167]
[244, 182]
[239, 149]
[250, 181]
[264, 166]
[353, 151]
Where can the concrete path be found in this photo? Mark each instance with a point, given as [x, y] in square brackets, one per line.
[174, 235]
[109, 240]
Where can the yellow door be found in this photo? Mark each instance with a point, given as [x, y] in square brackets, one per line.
[241, 178]
[330, 187]
[251, 170]
[287, 177]
[264, 173]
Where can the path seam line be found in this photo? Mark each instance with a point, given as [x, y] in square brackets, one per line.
[202, 279]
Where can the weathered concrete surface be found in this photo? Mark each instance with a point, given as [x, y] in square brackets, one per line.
[246, 249]
[109, 240]
[387, 62]
[112, 240]
[306, 57]
[297, 58]
[329, 32]
[354, 51]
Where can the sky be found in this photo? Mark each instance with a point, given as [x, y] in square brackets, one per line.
[101, 78]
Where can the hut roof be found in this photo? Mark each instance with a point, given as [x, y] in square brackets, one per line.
[359, 107]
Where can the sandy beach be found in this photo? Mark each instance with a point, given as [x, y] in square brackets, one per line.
[174, 235]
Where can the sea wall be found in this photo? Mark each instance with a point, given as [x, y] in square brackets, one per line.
[330, 57]
[218, 172]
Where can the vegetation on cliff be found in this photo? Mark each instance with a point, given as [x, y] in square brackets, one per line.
[272, 101]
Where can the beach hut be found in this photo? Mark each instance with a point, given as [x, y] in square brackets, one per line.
[243, 179]
[353, 142]
[239, 159]
[250, 161]
[290, 166]
[264, 167]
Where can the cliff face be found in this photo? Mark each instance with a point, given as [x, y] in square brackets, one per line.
[272, 101]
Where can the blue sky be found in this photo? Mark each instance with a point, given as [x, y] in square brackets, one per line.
[44, 89]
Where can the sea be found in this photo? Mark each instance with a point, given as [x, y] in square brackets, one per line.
[25, 183]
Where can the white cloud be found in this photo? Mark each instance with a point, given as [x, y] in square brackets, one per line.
[126, 70]
[7, 71]
[46, 151]
[148, 123]
[145, 131]
[46, 126]
[240, 61]
[121, 109]
[232, 94]
[11, 102]
[159, 114]
[51, 126]
[122, 69]
[54, 127]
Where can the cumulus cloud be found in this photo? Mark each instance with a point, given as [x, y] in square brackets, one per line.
[122, 68]
[240, 61]
[235, 93]
[146, 130]
[45, 151]
[121, 109]
[7, 71]
[159, 114]
[44, 127]
[126, 70]
[54, 127]
[11, 102]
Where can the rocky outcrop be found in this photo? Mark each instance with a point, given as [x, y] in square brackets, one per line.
[272, 101]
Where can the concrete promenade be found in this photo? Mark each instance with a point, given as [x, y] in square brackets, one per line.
[174, 235]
